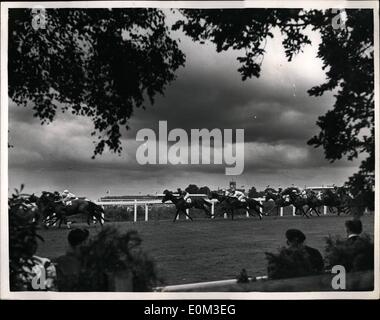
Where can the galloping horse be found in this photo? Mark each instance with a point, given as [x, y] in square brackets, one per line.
[338, 199]
[297, 200]
[313, 202]
[52, 208]
[182, 204]
[229, 204]
[279, 201]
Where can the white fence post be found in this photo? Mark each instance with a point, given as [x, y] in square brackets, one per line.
[247, 213]
[187, 211]
[261, 209]
[324, 210]
[294, 210]
[281, 211]
[146, 212]
[135, 211]
[225, 215]
[212, 208]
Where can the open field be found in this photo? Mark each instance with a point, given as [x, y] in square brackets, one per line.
[206, 250]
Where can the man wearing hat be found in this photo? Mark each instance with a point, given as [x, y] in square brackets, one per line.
[295, 240]
[69, 266]
[353, 228]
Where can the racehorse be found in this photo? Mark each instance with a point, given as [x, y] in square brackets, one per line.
[338, 199]
[313, 202]
[181, 204]
[279, 201]
[53, 208]
[230, 204]
[297, 200]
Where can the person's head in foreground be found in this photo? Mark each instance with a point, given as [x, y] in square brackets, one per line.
[77, 238]
[353, 228]
[295, 237]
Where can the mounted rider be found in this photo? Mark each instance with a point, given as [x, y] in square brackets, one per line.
[66, 196]
[184, 194]
[238, 195]
[227, 193]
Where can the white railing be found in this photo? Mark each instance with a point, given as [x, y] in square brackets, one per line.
[135, 203]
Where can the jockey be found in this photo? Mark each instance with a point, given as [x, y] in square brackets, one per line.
[184, 194]
[304, 194]
[239, 195]
[66, 196]
[227, 193]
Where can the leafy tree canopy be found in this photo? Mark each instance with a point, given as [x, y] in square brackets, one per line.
[99, 63]
[346, 51]
[102, 63]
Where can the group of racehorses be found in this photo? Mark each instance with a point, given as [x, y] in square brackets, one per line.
[305, 202]
[337, 197]
[50, 209]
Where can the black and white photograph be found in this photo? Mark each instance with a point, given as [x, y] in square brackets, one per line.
[192, 149]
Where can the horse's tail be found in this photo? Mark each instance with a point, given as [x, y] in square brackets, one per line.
[96, 210]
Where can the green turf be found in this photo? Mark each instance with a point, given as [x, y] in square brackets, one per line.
[206, 250]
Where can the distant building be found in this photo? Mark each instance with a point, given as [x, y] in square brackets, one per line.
[320, 188]
[128, 198]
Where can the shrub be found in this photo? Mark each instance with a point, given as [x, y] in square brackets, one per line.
[111, 252]
[23, 242]
[289, 263]
[354, 256]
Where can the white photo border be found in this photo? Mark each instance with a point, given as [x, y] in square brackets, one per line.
[5, 293]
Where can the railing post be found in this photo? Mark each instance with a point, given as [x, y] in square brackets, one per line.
[213, 208]
[247, 213]
[324, 210]
[135, 211]
[225, 215]
[281, 211]
[261, 209]
[146, 212]
[294, 211]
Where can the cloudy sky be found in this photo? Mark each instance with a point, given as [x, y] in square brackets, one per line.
[275, 111]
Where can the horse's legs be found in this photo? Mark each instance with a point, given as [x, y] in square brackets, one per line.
[187, 215]
[176, 214]
[206, 209]
[257, 210]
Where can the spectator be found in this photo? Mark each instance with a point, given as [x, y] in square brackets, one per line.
[294, 260]
[353, 228]
[295, 239]
[355, 253]
[69, 265]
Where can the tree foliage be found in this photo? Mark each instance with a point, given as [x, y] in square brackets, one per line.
[347, 52]
[192, 189]
[103, 63]
[99, 63]
[23, 242]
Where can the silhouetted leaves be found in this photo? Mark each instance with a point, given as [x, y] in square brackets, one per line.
[99, 63]
[347, 130]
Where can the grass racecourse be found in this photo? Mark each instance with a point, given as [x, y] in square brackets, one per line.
[207, 250]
